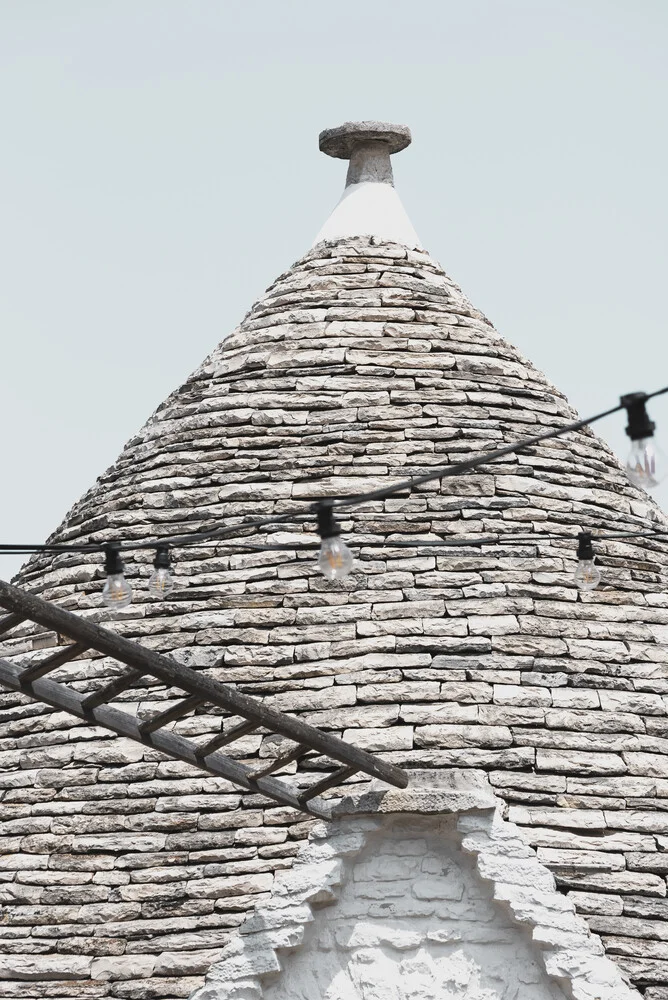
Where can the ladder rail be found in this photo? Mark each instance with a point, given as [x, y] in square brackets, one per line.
[175, 675]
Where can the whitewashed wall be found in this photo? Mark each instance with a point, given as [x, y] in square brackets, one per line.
[413, 920]
[424, 893]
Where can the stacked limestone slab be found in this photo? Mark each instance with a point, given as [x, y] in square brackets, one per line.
[123, 874]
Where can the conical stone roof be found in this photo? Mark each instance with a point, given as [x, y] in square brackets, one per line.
[362, 364]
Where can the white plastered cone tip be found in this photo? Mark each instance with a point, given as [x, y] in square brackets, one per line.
[370, 209]
[370, 205]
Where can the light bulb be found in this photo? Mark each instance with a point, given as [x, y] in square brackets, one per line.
[117, 592]
[161, 582]
[587, 575]
[335, 560]
[645, 465]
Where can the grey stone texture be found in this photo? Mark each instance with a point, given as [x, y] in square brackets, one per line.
[368, 146]
[341, 141]
[123, 874]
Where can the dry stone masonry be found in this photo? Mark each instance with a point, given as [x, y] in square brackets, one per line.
[125, 875]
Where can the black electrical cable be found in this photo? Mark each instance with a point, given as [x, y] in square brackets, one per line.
[499, 540]
[383, 493]
[298, 546]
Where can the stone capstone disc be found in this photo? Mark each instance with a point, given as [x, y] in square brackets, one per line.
[341, 141]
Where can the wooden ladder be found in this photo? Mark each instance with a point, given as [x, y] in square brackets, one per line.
[199, 689]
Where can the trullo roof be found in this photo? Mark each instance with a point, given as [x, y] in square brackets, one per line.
[363, 363]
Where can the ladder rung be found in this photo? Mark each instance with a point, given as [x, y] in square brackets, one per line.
[333, 779]
[279, 762]
[109, 692]
[222, 739]
[51, 662]
[176, 712]
[10, 621]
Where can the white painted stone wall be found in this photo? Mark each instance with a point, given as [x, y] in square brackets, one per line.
[413, 921]
[423, 893]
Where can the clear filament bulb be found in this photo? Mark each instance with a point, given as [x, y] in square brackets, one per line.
[161, 583]
[117, 592]
[335, 560]
[587, 574]
[645, 465]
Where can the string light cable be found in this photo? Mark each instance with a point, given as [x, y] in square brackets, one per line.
[645, 467]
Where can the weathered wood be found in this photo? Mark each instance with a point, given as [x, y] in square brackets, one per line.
[63, 655]
[63, 698]
[179, 676]
[10, 621]
[222, 739]
[109, 691]
[331, 781]
[279, 762]
[170, 714]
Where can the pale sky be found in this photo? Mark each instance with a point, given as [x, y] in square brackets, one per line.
[160, 167]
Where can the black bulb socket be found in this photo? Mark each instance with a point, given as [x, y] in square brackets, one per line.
[162, 560]
[585, 547]
[327, 524]
[113, 564]
[639, 425]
